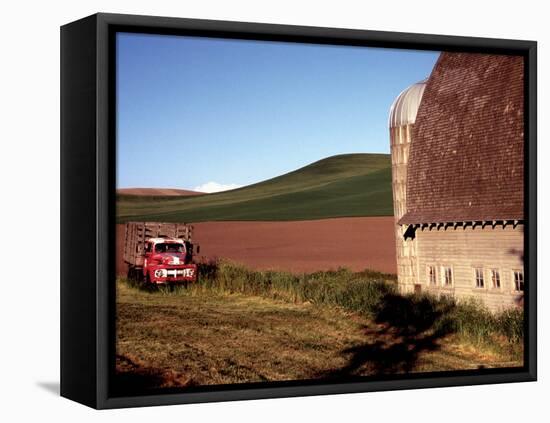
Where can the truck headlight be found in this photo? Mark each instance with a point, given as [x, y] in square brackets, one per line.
[160, 273]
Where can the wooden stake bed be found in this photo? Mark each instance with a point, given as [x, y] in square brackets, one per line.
[138, 232]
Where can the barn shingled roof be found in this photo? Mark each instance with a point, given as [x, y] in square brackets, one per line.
[466, 157]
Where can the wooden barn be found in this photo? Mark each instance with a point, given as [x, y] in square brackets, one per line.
[457, 147]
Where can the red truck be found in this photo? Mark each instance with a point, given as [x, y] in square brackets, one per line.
[159, 253]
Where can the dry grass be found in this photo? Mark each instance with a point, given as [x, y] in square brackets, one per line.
[206, 337]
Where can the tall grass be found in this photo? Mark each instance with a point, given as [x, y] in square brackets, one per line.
[369, 293]
[479, 325]
[353, 291]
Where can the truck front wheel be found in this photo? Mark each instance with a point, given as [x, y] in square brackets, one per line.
[147, 283]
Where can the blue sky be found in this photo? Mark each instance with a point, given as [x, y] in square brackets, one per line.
[196, 110]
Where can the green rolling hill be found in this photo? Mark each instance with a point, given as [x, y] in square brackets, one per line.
[339, 186]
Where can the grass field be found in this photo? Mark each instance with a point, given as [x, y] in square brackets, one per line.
[242, 326]
[339, 186]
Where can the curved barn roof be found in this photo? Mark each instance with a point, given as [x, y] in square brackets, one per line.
[404, 108]
[466, 159]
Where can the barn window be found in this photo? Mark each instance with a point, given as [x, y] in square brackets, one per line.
[479, 279]
[431, 275]
[495, 278]
[518, 280]
[447, 276]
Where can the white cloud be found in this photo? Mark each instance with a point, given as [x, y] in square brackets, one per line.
[215, 187]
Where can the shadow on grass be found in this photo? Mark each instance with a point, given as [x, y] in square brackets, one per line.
[153, 287]
[406, 327]
[135, 377]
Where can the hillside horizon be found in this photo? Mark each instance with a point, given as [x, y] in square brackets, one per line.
[344, 185]
[156, 191]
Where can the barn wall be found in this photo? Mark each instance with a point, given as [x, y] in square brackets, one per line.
[464, 249]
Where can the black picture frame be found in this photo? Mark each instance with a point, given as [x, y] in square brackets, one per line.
[88, 198]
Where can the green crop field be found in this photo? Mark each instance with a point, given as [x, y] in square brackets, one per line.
[339, 186]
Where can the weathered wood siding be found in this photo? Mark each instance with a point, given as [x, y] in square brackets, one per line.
[464, 249]
[400, 138]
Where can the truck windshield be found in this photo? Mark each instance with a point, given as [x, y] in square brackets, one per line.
[169, 248]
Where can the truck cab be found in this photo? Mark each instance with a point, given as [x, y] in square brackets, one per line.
[168, 260]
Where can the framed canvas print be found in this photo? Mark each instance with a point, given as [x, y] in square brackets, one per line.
[258, 211]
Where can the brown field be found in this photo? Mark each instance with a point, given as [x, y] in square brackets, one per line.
[204, 337]
[157, 191]
[356, 243]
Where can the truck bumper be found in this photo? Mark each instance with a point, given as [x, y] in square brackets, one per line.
[163, 275]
